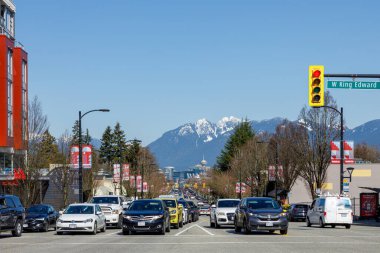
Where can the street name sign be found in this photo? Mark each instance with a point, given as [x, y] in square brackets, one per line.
[353, 85]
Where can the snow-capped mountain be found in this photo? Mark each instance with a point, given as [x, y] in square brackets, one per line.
[186, 145]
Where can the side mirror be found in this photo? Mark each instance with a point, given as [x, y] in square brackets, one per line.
[60, 212]
[213, 206]
[98, 213]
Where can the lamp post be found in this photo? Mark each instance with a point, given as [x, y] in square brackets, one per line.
[341, 144]
[80, 169]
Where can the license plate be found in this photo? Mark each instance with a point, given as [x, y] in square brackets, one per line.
[344, 215]
[141, 223]
[25, 225]
[72, 225]
[232, 218]
[269, 224]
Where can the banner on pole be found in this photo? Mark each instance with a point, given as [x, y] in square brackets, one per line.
[86, 156]
[132, 182]
[145, 187]
[138, 183]
[126, 172]
[116, 173]
[243, 187]
[348, 148]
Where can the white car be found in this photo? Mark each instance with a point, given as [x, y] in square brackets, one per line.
[81, 218]
[330, 210]
[112, 206]
[223, 212]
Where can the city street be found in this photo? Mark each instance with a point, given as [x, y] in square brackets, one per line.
[199, 237]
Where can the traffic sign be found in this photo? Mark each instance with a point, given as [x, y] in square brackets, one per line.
[353, 85]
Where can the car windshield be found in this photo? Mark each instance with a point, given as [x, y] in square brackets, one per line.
[205, 207]
[183, 203]
[146, 206]
[37, 209]
[262, 204]
[228, 203]
[80, 210]
[104, 200]
[191, 204]
[305, 207]
[170, 203]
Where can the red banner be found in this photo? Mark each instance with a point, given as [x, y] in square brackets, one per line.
[86, 156]
[243, 187]
[348, 151]
[116, 173]
[145, 187]
[132, 182]
[125, 172]
[138, 183]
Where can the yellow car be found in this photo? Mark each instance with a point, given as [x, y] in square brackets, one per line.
[175, 210]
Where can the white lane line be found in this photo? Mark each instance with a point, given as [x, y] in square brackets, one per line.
[183, 231]
[208, 232]
[114, 233]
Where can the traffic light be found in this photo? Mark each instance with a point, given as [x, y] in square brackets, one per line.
[316, 86]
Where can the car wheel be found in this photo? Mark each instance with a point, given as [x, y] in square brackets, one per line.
[190, 218]
[104, 228]
[163, 230]
[216, 224]
[95, 229]
[59, 233]
[18, 229]
[247, 229]
[284, 232]
[120, 222]
[46, 227]
[348, 226]
[181, 224]
[168, 228]
[125, 231]
[271, 231]
[237, 228]
[212, 224]
[308, 224]
[333, 226]
[321, 225]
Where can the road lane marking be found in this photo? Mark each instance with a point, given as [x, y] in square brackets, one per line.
[208, 232]
[183, 231]
[117, 232]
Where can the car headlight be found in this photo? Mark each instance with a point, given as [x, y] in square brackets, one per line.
[59, 220]
[158, 217]
[127, 217]
[252, 214]
[173, 211]
[220, 213]
[283, 215]
[89, 220]
[40, 219]
[115, 211]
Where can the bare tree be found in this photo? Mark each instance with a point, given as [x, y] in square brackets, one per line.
[323, 126]
[367, 153]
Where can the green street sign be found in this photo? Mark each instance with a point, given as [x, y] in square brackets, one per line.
[353, 85]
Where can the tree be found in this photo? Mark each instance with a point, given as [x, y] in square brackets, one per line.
[242, 133]
[367, 153]
[86, 138]
[119, 145]
[287, 144]
[323, 126]
[106, 149]
[47, 150]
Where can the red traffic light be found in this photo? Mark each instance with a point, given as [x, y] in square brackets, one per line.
[316, 73]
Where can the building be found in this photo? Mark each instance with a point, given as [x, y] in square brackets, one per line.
[13, 95]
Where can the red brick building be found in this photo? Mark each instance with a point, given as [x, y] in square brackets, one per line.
[13, 95]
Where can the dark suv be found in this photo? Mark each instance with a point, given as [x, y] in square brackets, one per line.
[12, 214]
[260, 214]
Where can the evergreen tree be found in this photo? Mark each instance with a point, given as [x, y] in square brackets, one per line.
[47, 150]
[86, 139]
[106, 149]
[119, 143]
[242, 133]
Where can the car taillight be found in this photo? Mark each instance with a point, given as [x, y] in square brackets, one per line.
[324, 214]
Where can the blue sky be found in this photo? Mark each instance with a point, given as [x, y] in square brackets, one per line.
[158, 64]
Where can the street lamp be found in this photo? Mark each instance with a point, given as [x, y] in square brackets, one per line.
[350, 170]
[80, 169]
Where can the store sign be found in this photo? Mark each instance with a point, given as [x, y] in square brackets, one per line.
[86, 156]
[368, 204]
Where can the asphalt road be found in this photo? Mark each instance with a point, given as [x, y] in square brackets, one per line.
[199, 237]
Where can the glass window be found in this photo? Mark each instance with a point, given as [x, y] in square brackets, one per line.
[10, 93]
[228, 203]
[170, 203]
[10, 202]
[24, 101]
[37, 209]
[145, 206]
[322, 202]
[262, 204]
[80, 210]
[104, 200]
[346, 203]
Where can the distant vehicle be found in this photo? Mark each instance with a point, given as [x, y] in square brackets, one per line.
[223, 212]
[40, 218]
[330, 210]
[260, 213]
[186, 211]
[112, 207]
[194, 211]
[146, 215]
[82, 218]
[298, 212]
[204, 210]
[12, 214]
[175, 209]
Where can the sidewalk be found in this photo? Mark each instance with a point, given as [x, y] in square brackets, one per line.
[369, 223]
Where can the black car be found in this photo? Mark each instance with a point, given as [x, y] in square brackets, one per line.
[40, 218]
[298, 212]
[194, 211]
[12, 214]
[260, 214]
[146, 215]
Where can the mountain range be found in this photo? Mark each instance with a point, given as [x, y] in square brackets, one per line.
[190, 143]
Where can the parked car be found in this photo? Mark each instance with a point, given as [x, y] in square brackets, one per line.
[82, 218]
[223, 212]
[260, 213]
[194, 211]
[176, 216]
[330, 210]
[186, 211]
[12, 214]
[204, 210]
[298, 212]
[40, 218]
[112, 206]
[146, 215]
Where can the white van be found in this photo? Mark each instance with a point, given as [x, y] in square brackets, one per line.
[330, 210]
